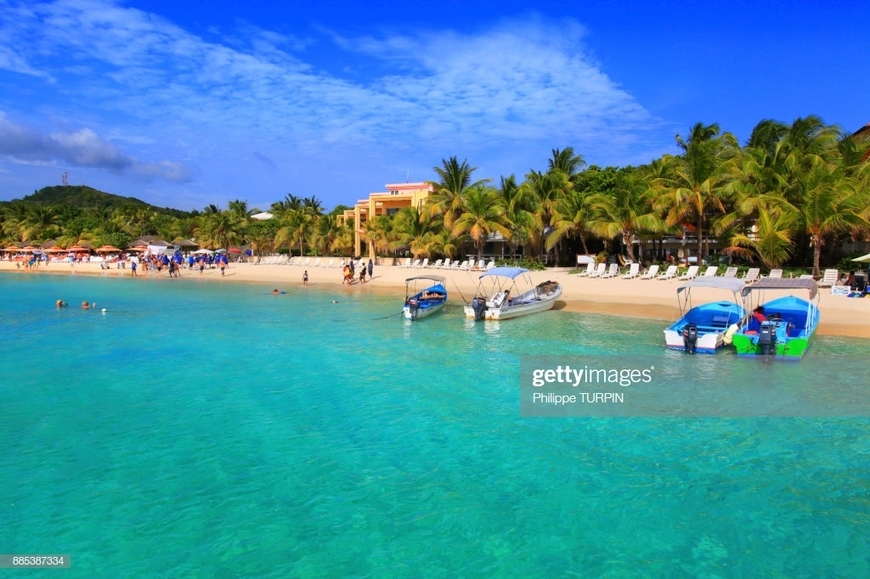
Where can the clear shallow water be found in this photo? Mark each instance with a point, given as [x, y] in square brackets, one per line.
[214, 430]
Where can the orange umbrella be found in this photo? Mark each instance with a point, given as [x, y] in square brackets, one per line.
[77, 248]
[107, 249]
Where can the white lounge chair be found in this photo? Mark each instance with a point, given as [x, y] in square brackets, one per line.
[466, 265]
[829, 278]
[633, 270]
[490, 265]
[590, 269]
[424, 263]
[670, 273]
[730, 272]
[711, 271]
[481, 265]
[416, 264]
[612, 271]
[437, 264]
[690, 273]
[651, 272]
[775, 274]
[599, 271]
[752, 275]
[456, 264]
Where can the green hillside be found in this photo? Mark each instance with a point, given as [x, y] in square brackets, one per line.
[84, 197]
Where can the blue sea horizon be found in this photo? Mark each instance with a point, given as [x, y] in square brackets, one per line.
[202, 429]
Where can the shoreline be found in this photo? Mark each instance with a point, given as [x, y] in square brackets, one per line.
[632, 298]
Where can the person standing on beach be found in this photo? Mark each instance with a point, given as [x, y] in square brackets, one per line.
[305, 278]
[371, 267]
[133, 267]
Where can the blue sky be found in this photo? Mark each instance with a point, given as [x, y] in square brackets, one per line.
[188, 103]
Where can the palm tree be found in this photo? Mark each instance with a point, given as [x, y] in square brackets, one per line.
[694, 183]
[518, 208]
[455, 180]
[546, 189]
[829, 201]
[378, 232]
[624, 212]
[482, 215]
[413, 229]
[566, 162]
[771, 239]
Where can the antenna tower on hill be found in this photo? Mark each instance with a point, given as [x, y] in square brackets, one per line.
[63, 179]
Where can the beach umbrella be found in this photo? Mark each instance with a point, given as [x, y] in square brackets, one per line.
[107, 249]
[221, 250]
[235, 250]
[863, 259]
[203, 251]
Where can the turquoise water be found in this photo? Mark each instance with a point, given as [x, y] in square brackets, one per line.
[201, 429]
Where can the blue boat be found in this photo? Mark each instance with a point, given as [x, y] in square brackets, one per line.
[424, 303]
[702, 328]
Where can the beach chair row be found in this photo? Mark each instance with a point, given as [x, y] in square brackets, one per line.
[603, 271]
[467, 265]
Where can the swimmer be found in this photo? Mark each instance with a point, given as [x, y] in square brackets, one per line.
[61, 304]
[85, 305]
[275, 292]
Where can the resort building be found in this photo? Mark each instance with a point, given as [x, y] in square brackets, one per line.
[397, 196]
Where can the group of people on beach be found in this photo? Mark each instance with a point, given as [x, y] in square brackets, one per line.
[364, 269]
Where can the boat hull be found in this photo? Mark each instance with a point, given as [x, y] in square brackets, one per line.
[791, 321]
[792, 349]
[529, 303]
[424, 311]
[711, 320]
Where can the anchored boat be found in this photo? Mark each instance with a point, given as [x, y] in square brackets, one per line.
[702, 328]
[508, 292]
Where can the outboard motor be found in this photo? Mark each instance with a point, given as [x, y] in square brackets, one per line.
[413, 307]
[478, 304]
[767, 338]
[690, 338]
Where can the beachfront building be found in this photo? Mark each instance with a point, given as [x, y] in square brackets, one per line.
[396, 197]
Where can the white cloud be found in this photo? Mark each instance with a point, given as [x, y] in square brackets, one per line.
[522, 83]
[83, 148]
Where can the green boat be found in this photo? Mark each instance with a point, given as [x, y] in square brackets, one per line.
[790, 321]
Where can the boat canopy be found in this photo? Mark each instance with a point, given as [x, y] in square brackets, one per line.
[767, 283]
[511, 272]
[439, 278]
[734, 285]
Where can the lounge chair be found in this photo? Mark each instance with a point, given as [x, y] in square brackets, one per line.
[590, 269]
[670, 273]
[466, 265]
[416, 264]
[690, 273]
[751, 275]
[775, 274]
[613, 271]
[651, 272]
[481, 265]
[599, 271]
[446, 264]
[407, 262]
[829, 278]
[437, 264]
[711, 271]
[633, 270]
[490, 265]
[730, 272]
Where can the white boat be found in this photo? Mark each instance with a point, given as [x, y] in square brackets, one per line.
[702, 328]
[501, 298]
[424, 303]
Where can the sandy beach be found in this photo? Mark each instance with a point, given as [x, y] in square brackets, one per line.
[650, 299]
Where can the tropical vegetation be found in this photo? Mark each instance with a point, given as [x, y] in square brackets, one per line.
[789, 196]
